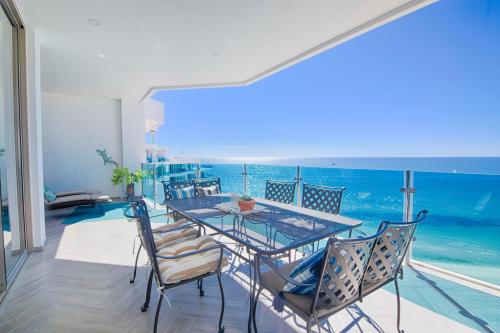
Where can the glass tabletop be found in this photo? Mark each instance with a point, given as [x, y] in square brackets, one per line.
[272, 229]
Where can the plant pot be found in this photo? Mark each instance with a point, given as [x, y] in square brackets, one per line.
[130, 190]
[246, 205]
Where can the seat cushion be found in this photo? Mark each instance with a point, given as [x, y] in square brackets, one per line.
[72, 198]
[165, 238]
[275, 284]
[100, 198]
[307, 271]
[207, 190]
[189, 267]
[182, 193]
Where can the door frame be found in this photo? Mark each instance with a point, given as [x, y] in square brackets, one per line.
[21, 142]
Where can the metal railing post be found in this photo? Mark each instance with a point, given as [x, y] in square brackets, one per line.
[245, 179]
[198, 170]
[408, 191]
[155, 192]
[298, 179]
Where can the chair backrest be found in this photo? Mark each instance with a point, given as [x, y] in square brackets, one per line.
[175, 185]
[205, 182]
[390, 250]
[280, 191]
[141, 216]
[322, 198]
[343, 267]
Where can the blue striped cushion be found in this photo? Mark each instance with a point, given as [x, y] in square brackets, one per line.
[306, 272]
[182, 193]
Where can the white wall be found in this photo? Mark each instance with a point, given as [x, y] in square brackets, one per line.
[73, 128]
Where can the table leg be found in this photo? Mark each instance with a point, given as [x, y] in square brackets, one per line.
[253, 290]
[251, 282]
[255, 300]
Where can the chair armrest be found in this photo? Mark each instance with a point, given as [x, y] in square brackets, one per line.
[288, 279]
[129, 214]
[360, 232]
[184, 226]
[190, 253]
[155, 216]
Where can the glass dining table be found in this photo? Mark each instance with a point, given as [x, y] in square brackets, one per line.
[271, 229]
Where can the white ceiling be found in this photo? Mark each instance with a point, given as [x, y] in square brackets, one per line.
[152, 44]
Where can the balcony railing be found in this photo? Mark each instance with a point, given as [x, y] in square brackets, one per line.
[460, 234]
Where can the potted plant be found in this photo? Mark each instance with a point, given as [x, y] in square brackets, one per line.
[246, 203]
[124, 176]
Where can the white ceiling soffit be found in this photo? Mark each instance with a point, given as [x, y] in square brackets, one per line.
[117, 47]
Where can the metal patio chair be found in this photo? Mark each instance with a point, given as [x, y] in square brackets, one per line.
[322, 198]
[205, 182]
[350, 269]
[178, 264]
[279, 191]
[175, 185]
[165, 235]
[196, 183]
[387, 258]
[326, 199]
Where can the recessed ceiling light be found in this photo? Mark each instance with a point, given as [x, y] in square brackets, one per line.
[93, 21]
[102, 56]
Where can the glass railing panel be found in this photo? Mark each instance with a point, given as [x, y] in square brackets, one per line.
[231, 176]
[164, 171]
[147, 180]
[371, 196]
[462, 229]
[259, 174]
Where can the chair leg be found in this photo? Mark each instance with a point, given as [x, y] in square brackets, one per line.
[256, 301]
[221, 328]
[132, 279]
[399, 306]
[309, 323]
[200, 286]
[160, 299]
[319, 324]
[145, 306]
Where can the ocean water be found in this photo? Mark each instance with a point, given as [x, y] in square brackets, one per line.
[476, 165]
[461, 233]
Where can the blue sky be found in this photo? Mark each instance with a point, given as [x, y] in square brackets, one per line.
[427, 84]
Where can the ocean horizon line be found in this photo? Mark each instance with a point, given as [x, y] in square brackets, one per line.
[488, 165]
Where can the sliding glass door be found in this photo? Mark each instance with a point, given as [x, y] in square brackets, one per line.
[13, 245]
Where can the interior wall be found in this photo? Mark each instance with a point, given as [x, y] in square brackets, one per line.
[73, 127]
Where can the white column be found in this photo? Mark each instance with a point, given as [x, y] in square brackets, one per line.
[133, 134]
[34, 105]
